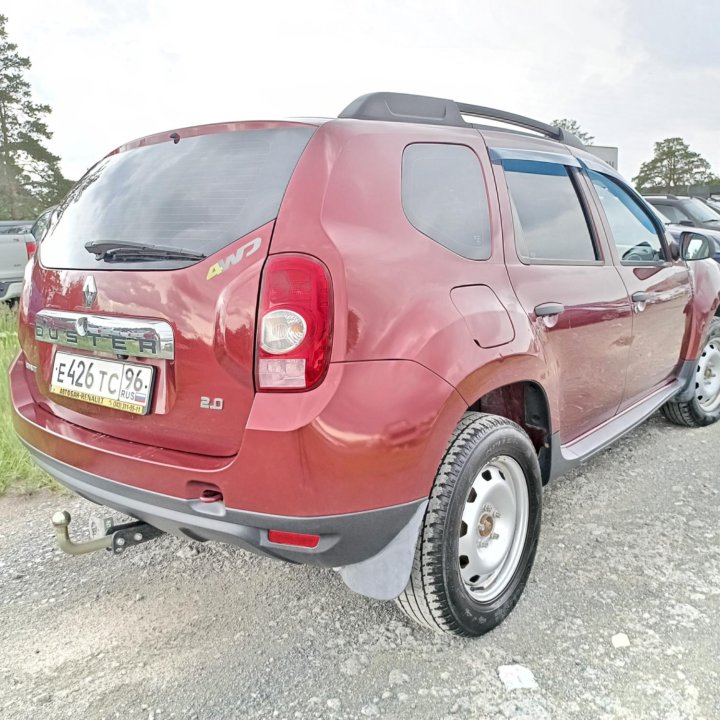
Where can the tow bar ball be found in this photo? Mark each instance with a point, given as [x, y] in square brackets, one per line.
[106, 535]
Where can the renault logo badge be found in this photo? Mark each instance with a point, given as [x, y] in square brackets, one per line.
[89, 291]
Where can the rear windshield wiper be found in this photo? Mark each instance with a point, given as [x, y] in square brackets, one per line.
[128, 251]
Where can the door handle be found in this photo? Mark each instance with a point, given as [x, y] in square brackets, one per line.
[548, 309]
[640, 297]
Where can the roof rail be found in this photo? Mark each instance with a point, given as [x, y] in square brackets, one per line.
[400, 107]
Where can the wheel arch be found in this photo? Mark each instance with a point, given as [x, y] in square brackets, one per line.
[705, 305]
[525, 402]
[522, 389]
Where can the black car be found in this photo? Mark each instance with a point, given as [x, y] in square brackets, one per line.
[688, 211]
[713, 202]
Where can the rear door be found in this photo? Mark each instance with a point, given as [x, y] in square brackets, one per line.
[179, 331]
[658, 286]
[566, 282]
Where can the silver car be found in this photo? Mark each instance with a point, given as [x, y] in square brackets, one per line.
[17, 244]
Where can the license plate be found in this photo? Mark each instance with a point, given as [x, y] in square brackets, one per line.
[118, 385]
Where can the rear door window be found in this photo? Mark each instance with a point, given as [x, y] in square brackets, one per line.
[550, 221]
[201, 193]
[444, 197]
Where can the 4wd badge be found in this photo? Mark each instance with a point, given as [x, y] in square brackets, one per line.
[245, 251]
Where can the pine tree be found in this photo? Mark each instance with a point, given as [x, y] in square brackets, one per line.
[30, 176]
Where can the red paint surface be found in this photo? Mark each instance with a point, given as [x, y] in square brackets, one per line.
[405, 363]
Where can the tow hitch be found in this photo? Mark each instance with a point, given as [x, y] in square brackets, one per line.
[105, 535]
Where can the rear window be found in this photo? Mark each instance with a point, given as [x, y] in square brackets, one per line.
[202, 194]
[444, 197]
[14, 229]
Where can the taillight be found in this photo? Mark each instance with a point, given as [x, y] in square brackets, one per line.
[30, 246]
[294, 332]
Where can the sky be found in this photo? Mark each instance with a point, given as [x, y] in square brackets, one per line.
[631, 73]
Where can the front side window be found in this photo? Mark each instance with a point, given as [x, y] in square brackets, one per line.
[550, 223]
[444, 197]
[633, 231]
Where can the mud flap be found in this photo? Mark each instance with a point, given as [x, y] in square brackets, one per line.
[385, 575]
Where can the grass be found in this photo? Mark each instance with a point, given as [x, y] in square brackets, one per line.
[17, 470]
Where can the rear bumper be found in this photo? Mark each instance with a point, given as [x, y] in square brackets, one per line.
[366, 438]
[10, 289]
[344, 539]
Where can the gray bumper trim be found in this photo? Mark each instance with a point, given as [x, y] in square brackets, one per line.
[5, 286]
[345, 539]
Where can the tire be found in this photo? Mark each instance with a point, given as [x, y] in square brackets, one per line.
[493, 458]
[704, 407]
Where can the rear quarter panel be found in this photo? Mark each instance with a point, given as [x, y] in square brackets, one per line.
[392, 283]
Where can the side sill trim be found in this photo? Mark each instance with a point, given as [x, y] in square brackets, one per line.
[566, 457]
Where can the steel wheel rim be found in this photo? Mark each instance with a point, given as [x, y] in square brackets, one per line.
[493, 528]
[707, 377]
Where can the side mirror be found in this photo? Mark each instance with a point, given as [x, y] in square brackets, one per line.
[695, 246]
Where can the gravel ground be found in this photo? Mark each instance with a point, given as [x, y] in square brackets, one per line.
[621, 618]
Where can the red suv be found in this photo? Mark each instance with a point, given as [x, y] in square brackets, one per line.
[364, 343]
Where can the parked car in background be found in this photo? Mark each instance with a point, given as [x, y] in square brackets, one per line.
[713, 202]
[362, 343]
[677, 230]
[17, 245]
[689, 211]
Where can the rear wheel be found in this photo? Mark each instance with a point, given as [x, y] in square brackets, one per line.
[704, 407]
[480, 530]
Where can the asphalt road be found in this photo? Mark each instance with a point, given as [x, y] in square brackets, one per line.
[621, 618]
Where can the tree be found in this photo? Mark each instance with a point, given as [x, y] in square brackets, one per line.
[30, 175]
[673, 166]
[574, 127]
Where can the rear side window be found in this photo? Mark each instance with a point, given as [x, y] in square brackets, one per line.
[201, 193]
[444, 197]
[550, 223]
